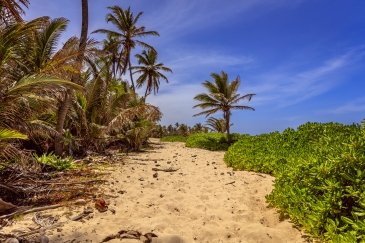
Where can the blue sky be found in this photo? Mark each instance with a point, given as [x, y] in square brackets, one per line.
[305, 59]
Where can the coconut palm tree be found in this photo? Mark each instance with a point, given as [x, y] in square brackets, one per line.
[222, 96]
[128, 33]
[150, 71]
[65, 104]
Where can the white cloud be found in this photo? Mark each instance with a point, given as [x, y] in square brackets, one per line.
[177, 104]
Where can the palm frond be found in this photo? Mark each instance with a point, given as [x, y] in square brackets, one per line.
[31, 84]
[6, 134]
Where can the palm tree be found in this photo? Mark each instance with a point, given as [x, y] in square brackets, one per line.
[222, 96]
[65, 104]
[128, 34]
[218, 125]
[150, 71]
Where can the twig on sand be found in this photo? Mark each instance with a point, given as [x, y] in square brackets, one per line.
[131, 234]
[230, 182]
[166, 169]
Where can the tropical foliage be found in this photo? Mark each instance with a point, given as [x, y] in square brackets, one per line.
[319, 170]
[216, 125]
[59, 101]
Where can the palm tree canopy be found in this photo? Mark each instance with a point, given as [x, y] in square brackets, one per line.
[222, 95]
[150, 71]
[127, 31]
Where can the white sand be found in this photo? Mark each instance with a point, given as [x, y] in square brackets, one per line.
[195, 203]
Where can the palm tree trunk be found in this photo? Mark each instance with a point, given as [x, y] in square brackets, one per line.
[84, 29]
[66, 103]
[130, 74]
[227, 116]
[61, 117]
[148, 89]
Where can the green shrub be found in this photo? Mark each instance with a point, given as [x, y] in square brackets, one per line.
[174, 138]
[210, 141]
[55, 162]
[319, 169]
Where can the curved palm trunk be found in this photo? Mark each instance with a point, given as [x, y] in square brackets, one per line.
[148, 90]
[61, 117]
[227, 117]
[66, 103]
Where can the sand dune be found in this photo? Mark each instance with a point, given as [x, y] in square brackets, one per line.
[203, 201]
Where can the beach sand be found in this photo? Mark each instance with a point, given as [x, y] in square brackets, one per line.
[203, 201]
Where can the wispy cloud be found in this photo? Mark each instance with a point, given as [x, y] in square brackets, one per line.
[194, 66]
[357, 105]
[180, 17]
[281, 88]
[278, 89]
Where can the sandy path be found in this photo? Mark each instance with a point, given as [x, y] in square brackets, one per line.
[198, 203]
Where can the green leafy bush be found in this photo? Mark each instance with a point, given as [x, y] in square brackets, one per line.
[319, 169]
[174, 138]
[55, 162]
[210, 141]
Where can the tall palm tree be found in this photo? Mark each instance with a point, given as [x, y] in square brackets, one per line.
[222, 96]
[65, 104]
[128, 34]
[150, 71]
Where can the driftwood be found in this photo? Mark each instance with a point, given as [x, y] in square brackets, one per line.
[82, 215]
[32, 210]
[170, 169]
[5, 206]
[74, 183]
[131, 234]
[85, 213]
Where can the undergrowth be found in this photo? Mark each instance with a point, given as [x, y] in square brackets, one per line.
[319, 170]
[54, 162]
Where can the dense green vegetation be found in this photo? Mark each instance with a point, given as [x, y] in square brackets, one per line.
[211, 141]
[319, 170]
[174, 138]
